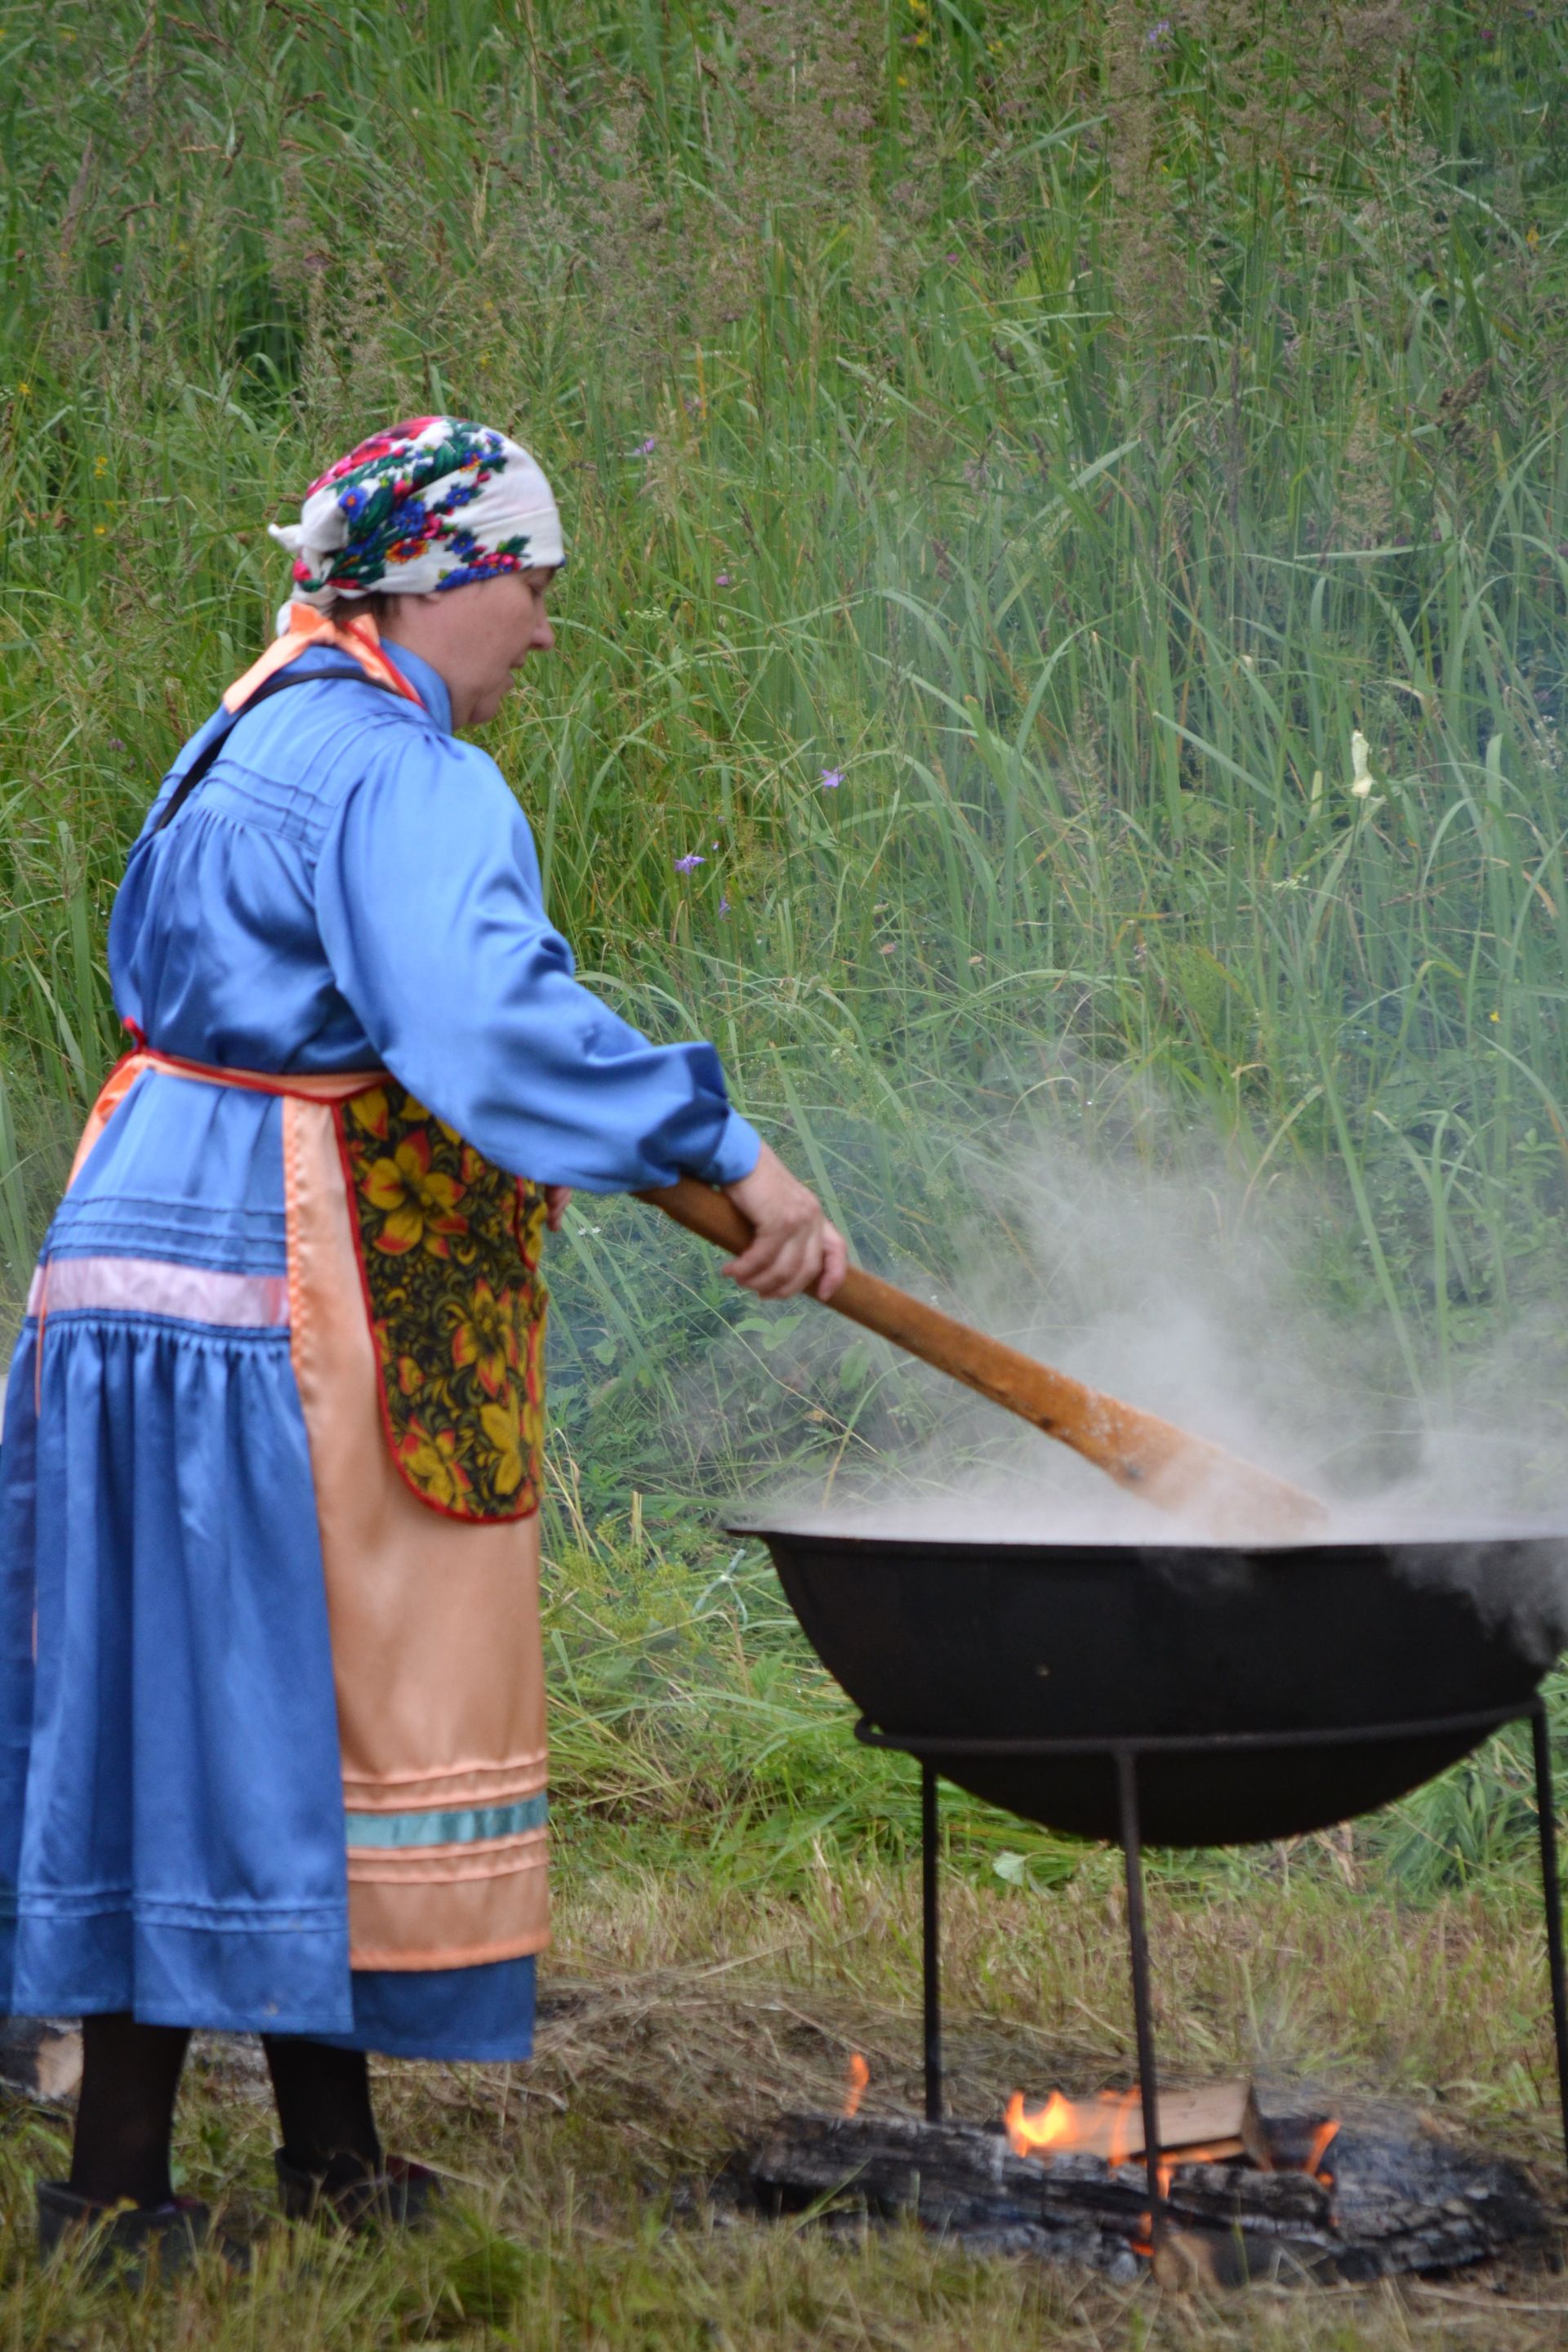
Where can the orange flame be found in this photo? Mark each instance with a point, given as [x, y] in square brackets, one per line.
[1052, 2125]
[1321, 2141]
[857, 2074]
[1101, 2126]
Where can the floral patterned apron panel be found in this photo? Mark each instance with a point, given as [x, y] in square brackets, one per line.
[448, 1250]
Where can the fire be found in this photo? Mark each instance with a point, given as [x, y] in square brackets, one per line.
[1217, 2126]
[1099, 2127]
[857, 2075]
[1050, 2127]
[1322, 2141]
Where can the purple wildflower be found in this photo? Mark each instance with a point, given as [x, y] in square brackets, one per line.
[690, 863]
[723, 906]
[117, 742]
[722, 580]
[1158, 37]
[953, 257]
[831, 779]
[649, 445]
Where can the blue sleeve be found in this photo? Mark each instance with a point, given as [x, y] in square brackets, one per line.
[430, 910]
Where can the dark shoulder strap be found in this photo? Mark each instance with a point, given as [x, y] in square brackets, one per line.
[276, 683]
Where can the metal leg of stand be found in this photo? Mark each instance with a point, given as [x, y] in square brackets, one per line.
[930, 1954]
[1138, 1937]
[1546, 1816]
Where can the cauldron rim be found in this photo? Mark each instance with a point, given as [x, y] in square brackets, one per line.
[1457, 1536]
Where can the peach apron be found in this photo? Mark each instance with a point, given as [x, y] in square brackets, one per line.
[432, 1591]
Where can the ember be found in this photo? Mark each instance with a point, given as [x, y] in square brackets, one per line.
[1319, 2150]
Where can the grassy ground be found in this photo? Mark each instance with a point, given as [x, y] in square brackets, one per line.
[655, 2056]
[738, 1912]
[1012, 453]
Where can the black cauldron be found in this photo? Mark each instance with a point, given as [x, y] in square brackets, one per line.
[1266, 1693]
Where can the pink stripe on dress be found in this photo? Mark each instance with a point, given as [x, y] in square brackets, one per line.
[155, 1285]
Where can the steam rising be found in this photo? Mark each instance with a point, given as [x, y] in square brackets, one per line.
[1184, 1290]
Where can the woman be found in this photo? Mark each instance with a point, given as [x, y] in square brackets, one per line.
[271, 1711]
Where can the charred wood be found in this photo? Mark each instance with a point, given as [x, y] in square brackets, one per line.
[1395, 2203]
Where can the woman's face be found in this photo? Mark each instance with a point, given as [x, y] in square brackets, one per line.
[477, 636]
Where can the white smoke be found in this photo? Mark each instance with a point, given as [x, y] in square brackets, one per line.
[1158, 1273]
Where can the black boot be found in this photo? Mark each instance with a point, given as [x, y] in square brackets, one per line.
[134, 2240]
[354, 2195]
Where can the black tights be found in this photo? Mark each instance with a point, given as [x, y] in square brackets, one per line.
[131, 2075]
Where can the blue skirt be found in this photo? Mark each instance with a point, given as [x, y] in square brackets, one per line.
[172, 1833]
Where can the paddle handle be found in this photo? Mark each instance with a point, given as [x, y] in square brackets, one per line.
[1129, 1445]
[1165, 1465]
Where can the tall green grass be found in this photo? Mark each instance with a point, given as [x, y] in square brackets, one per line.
[1069, 426]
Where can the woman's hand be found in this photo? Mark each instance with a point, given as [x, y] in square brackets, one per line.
[794, 1247]
[555, 1199]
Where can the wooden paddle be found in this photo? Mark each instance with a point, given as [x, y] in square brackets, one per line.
[1163, 1465]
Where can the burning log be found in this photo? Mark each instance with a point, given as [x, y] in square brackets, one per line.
[1394, 2199]
[960, 2174]
[1218, 2123]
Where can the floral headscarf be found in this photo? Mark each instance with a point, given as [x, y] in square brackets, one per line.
[430, 504]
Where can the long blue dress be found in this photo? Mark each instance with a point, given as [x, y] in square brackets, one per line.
[349, 888]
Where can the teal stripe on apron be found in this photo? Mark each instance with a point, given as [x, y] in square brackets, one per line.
[468, 1825]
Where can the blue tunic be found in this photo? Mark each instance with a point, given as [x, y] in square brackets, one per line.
[349, 888]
